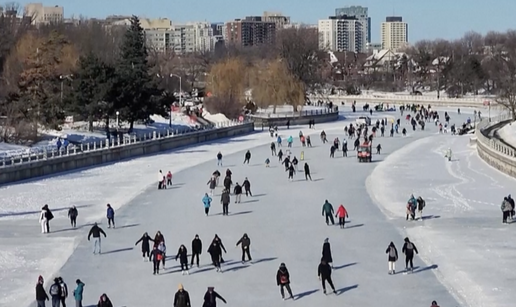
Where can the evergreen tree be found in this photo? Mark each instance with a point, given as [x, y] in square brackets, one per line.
[138, 94]
[93, 93]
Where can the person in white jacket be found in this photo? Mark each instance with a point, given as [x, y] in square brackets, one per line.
[163, 249]
[161, 181]
[44, 218]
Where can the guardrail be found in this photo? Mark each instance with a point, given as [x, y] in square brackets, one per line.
[493, 150]
[470, 101]
[52, 152]
[305, 113]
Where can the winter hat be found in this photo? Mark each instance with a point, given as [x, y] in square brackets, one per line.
[326, 240]
[56, 279]
[406, 239]
[180, 287]
[40, 279]
[282, 265]
[78, 281]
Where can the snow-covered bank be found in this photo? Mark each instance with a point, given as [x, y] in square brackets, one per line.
[508, 133]
[462, 232]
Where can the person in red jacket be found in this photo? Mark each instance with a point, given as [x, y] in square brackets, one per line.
[169, 178]
[342, 214]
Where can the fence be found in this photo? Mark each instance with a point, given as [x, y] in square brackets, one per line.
[391, 98]
[52, 152]
[304, 113]
[295, 118]
[493, 150]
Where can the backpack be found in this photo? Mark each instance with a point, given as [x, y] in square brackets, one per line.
[410, 246]
[54, 290]
[392, 252]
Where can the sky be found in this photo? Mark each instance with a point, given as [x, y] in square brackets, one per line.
[427, 19]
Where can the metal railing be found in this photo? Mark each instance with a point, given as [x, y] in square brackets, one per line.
[496, 144]
[426, 99]
[52, 152]
[305, 113]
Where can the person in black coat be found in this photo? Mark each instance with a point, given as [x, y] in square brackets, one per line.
[225, 200]
[291, 172]
[182, 254]
[210, 298]
[247, 157]
[216, 253]
[41, 294]
[72, 214]
[227, 183]
[181, 298]
[307, 172]
[155, 256]
[247, 187]
[408, 249]
[393, 257]
[196, 250]
[246, 246]
[145, 239]
[238, 193]
[283, 281]
[324, 273]
[326, 252]
[219, 241]
[104, 301]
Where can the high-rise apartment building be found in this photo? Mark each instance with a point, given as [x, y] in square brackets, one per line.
[361, 14]
[250, 31]
[342, 33]
[278, 18]
[394, 33]
[44, 14]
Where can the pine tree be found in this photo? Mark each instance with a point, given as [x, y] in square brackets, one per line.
[138, 94]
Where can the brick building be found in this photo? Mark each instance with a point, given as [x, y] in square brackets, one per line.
[250, 31]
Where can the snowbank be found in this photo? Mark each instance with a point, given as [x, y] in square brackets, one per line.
[288, 109]
[214, 118]
[508, 133]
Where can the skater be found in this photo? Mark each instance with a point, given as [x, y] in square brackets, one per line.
[332, 151]
[283, 281]
[506, 210]
[95, 231]
[45, 217]
[245, 242]
[110, 214]
[41, 294]
[196, 250]
[511, 201]
[295, 162]
[104, 301]
[169, 178]
[324, 273]
[344, 148]
[308, 141]
[327, 212]
[267, 162]
[247, 187]
[72, 214]
[158, 238]
[238, 193]
[420, 206]
[216, 174]
[161, 178]
[77, 293]
[64, 291]
[219, 241]
[307, 172]
[206, 200]
[411, 207]
[378, 149]
[156, 257]
[228, 183]
[210, 298]
[448, 154]
[182, 254]
[393, 257]
[216, 254]
[219, 159]
[408, 249]
[290, 141]
[273, 148]
[434, 303]
[163, 249]
[326, 252]
[247, 157]
[286, 163]
[342, 214]
[280, 155]
[55, 293]
[181, 298]
[278, 140]
[145, 239]
[213, 184]
[291, 172]
[229, 173]
[225, 200]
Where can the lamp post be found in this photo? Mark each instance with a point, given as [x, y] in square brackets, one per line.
[62, 77]
[180, 97]
[117, 113]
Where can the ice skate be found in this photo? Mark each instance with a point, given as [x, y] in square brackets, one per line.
[324, 292]
[182, 272]
[187, 272]
[334, 292]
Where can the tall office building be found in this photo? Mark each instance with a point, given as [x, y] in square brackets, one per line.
[44, 14]
[361, 14]
[250, 31]
[342, 33]
[394, 33]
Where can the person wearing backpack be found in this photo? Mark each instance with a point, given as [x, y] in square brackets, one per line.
[44, 218]
[408, 249]
[41, 294]
[77, 293]
[64, 291]
[393, 257]
[283, 281]
[55, 293]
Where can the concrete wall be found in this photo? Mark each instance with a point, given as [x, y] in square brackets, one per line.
[295, 118]
[493, 151]
[69, 162]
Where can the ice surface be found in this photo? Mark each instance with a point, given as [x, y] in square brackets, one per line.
[462, 231]
[508, 133]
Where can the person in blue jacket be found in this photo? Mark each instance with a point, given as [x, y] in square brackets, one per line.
[77, 293]
[279, 141]
[206, 200]
[110, 216]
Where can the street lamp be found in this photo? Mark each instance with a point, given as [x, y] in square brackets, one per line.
[117, 113]
[62, 77]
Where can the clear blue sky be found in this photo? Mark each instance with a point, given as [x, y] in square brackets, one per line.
[428, 19]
